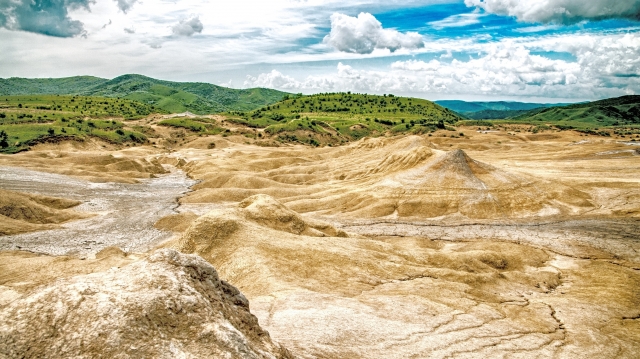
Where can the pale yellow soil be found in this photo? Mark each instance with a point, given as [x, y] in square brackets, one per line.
[499, 244]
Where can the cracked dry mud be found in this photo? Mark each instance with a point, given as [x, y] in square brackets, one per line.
[125, 213]
[523, 249]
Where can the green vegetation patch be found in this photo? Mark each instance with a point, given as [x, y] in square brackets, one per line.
[616, 112]
[27, 120]
[347, 116]
[204, 126]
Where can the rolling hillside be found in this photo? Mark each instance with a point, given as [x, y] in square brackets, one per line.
[27, 120]
[199, 98]
[332, 118]
[616, 112]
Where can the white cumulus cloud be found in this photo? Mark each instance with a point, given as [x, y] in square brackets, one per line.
[273, 79]
[188, 27]
[560, 11]
[600, 66]
[460, 20]
[365, 33]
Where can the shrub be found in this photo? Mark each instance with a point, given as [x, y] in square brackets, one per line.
[4, 139]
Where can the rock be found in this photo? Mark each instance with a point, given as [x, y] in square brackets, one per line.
[170, 305]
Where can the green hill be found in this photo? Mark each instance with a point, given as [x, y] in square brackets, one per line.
[26, 120]
[342, 117]
[199, 98]
[615, 112]
[494, 114]
[61, 86]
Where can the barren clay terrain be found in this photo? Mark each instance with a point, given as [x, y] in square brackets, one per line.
[498, 244]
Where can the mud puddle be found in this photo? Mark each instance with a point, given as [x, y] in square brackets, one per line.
[125, 213]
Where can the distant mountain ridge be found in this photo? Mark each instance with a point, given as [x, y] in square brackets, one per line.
[196, 97]
[475, 106]
[494, 109]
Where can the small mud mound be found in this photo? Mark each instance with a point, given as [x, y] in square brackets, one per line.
[119, 166]
[176, 222]
[456, 170]
[407, 154]
[167, 306]
[22, 212]
[369, 143]
[258, 211]
[268, 212]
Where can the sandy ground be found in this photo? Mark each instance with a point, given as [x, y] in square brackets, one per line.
[519, 245]
[125, 212]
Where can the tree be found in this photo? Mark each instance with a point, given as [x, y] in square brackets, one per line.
[51, 131]
[4, 139]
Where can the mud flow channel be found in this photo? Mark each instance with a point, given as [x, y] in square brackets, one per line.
[125, 213]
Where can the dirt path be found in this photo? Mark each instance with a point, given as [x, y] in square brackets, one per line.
[125, 212]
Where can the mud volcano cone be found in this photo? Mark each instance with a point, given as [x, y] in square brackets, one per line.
[453, 182]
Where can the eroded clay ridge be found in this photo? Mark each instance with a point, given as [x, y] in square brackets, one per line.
[402, 177]
[169, 305]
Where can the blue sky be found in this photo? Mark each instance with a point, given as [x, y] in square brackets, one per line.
[530, 51]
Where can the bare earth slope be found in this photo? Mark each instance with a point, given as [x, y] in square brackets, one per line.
[494, 244]
[167, 306]
[356, 297]
[402, 177]
[23, 212]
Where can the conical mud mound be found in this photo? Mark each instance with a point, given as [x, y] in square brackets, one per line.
[456, 170]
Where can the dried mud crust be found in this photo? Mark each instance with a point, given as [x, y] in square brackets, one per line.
[168, 305]
[412, 297]
[125, 216]
[615, 239]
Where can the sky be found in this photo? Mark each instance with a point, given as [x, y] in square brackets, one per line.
[475, 50]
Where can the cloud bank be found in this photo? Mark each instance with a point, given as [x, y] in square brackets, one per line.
[561, 11]
[125, 5]
[47, 17]
[605, 66]
[364, 33]
[188, 27]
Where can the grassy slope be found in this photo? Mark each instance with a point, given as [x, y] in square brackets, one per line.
[341, 117]
[200, 98]
[28, 119]
[494, 114]
[59, 86]
[615, 112]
